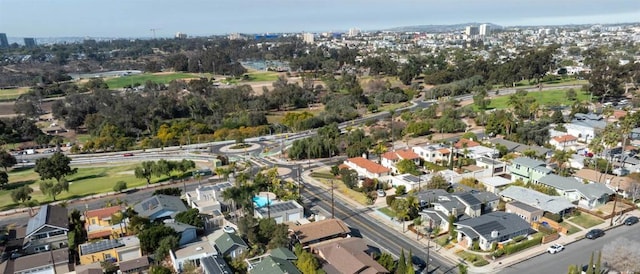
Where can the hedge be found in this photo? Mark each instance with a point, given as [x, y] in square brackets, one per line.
[522, 246]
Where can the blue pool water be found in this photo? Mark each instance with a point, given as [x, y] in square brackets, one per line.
[260, 201]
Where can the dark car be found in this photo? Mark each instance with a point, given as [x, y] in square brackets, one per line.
[594, 234]
[418, 263]
[631, 220]
[127, 154]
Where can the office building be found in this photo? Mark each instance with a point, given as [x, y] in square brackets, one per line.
[29, 42]
[485, 30]
[471, 30]
[354, 32]
[4, 42]
[308, 37]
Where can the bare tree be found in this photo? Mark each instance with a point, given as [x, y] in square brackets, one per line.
[622, 254]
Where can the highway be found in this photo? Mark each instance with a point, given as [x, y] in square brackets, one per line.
[577, 253]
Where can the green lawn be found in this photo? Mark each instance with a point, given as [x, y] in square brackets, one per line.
[263, 76]
[549, 97]
[87, 181]
[120, 82]
[585, 220]
[387, 211]
[556, 82]
[475, 259]
[12, 94]
[570, 228]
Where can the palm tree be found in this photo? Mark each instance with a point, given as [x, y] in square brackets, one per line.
[561, 157]
[379, 149]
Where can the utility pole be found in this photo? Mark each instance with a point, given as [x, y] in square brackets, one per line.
[268, 203]
[332, 202]
[615, 200]
[154, 33]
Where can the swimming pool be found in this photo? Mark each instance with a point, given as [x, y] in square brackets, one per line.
[260, 201]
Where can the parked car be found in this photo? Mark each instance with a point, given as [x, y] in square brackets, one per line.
[228, 229]
[381, 193]
[555, 248]
[631, 220]
[127, 154]
[418, 263]
[594, 234]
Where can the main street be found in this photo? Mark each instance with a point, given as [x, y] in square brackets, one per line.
[577, 253]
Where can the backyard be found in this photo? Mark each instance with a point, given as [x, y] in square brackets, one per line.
[88, 180]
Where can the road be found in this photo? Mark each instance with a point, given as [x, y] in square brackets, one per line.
[577, 253]
[379, 234]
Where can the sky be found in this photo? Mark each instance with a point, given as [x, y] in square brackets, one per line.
[135, 18]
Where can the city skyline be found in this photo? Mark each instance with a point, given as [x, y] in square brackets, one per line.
[121, 18]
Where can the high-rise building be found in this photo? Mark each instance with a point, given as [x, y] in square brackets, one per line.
[471, 30]
[29, 42]
[485, 30]
[4, 42]
[354, 32]
[181, 35]
[308, 37]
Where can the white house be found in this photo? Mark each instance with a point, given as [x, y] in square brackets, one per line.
[391, 158]
[565, 142]
[366, 168]
[433, 153]
[409, 181]
[281, 212]
[191, 253]
[585, 126]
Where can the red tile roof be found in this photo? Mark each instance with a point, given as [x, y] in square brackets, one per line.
[565, 138]
[103, 212]
[444, 151]
[368, 165]
[98, 234]
[470, 143]
[401, 154]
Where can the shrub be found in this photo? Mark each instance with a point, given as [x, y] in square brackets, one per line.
[555, 217]
[522, 246]
[401, 189]
[480, 263]
[518, 239]
[390, 199]
[499, 253]
[120, 186]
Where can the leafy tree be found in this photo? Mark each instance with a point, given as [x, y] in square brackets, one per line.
[120, 186]
[307, 263]
[409, 263]
[171, 191]
[108, 267]
[151, 237]
[402, 263]
[4, 178]
[386, 260]
[158, 269]
[145, 171]
[438, 182]
[590, 265]
[54, 188]
[451, 227]
[191, 217]
[408, 166]
[7, 160]
[573, 269]
[349, 177]
[56, 167]
[165, 245]
[21, 194]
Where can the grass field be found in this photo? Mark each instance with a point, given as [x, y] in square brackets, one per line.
[586, 220]
[262, 76]
[342, 188]
[387, 211]
[556, 82]
[12, 94]
[164, 78]
[570, 228]
[87, 181]
[549, 97]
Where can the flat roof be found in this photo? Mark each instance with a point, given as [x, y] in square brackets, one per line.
[200, 247]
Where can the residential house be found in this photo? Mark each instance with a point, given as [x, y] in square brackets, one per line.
[433, 153]
[187, 232]
[409, 181]
[230, 244]
[461, 205]
[366, 168]
[586, 195]
[215, 264]
[319, 231]
[207, 198]
[47, 230]
[94, 268]
[347, 256]
[113, 250]
[281, 212]
[47, 262]
[494, 227]
[525, 211]
[495, 167]
[160, 207]
[527, 169]
[194, 253]
[137, 265]
[495, 184]
[99, 225]
[625, 186]
[585, 126]
[521, 148]
[480, 151]
[548, 203]
[277, 261]
[391, 158]
[428, 196]
[465, 143]
[565, 142]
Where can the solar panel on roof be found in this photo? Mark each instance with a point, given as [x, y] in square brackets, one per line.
[485, 229]
[411, 178]
[150, 204]
[100, 246]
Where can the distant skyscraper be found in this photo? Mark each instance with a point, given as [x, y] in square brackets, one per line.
[29, 42]
[181, 35]
[4, 43]
[485, 30]
[471, 30]
[354, 32]
[308, 37]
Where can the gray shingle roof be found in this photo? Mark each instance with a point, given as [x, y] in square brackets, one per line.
[53, 215]
[590, 191]
[215, 265]
[527, 162]
[553, 204]
[227, 240]
[154, 204]
[503, 223]
[518, 147]
[273, 265]
[524, 206]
